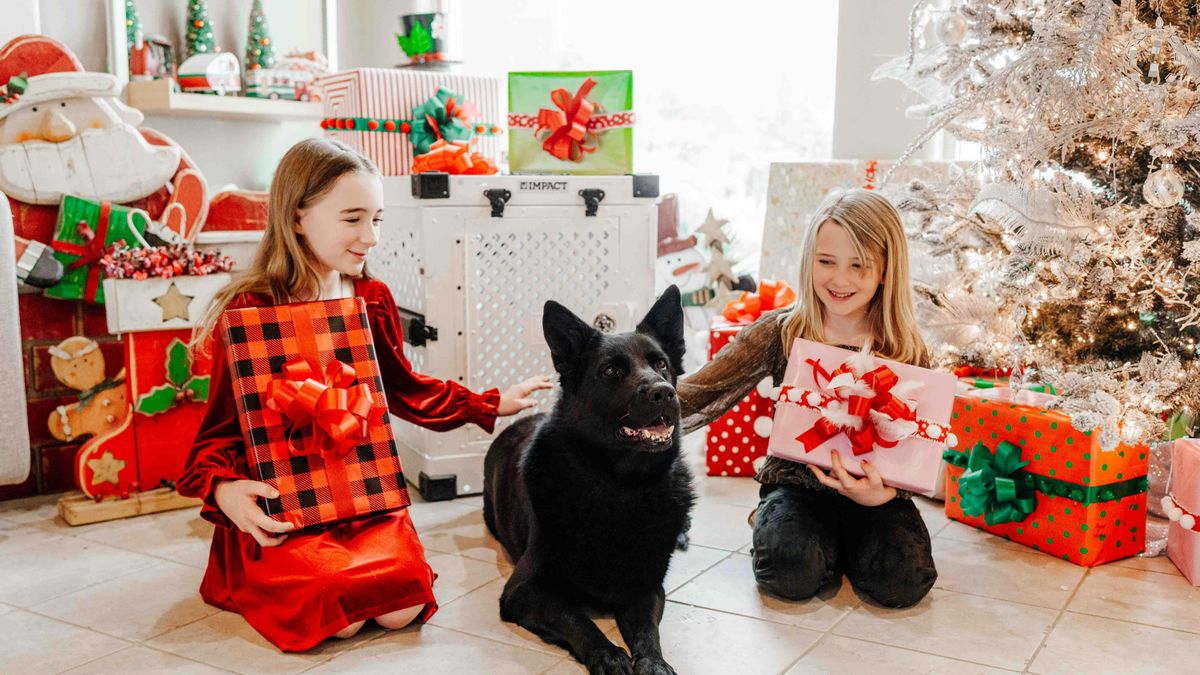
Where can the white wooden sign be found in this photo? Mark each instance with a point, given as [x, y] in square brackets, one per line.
[158, 304]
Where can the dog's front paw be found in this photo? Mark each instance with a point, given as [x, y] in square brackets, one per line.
[611, 660]
[649, 665]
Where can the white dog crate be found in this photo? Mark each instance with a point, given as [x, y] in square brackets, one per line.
[471, 260]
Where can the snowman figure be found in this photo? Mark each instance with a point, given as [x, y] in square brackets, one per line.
[683, 265]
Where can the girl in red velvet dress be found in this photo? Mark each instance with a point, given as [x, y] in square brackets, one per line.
[296, 590]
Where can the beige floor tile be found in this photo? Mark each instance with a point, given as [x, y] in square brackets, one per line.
[993, 632]
[686, 565]
[40, 511]
[180, 536]
[933, 512]
[36, 644]
[431, 650]
[962, 532]
[567, 666]
[226, 641]
[720, 526]
[698, 640]
[1089, 644]
[473, 500]
[39, 565]
[1164, 600]
[478, 613]
[140, 660]
[1161, 564]
[730, 587]
[458, 576]
[998, 572]
[467, 537]
[736, 491]
[431, 516]
[137, 606]
[847, 656]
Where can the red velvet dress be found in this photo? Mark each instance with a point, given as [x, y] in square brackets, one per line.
[317, 583]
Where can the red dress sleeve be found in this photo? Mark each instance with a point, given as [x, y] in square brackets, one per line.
[219, 451]
[420, 399]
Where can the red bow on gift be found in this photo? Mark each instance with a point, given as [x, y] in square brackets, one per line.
[976, 371]
[861, 406]
[340, 414]
[453, 157]
[749, 306]
[568, 137]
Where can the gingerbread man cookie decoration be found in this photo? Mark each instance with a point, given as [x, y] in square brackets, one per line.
[79, 364]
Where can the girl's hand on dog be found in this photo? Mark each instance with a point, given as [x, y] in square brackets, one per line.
[516, 398]
[235, 498]
[868, 491]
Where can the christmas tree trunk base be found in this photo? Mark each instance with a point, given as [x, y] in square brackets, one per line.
[78, 509]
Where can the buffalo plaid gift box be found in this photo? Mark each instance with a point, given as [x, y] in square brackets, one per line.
[313, 412]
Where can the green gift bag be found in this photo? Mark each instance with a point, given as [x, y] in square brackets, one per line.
[84, 232]
[576, 123]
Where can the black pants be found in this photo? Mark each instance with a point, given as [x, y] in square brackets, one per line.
[804, 539]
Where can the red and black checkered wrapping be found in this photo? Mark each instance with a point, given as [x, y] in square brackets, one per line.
[368, 479]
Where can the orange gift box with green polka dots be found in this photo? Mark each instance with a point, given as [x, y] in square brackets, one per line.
[1020, 471]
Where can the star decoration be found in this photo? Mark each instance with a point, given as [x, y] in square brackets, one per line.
[106, 469]
[713, 229]
[719, 267]
[174, 303]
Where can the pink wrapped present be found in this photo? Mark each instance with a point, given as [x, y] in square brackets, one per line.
[894, 415]
[1182, 506]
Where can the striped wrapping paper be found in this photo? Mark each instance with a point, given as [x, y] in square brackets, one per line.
[393, 93]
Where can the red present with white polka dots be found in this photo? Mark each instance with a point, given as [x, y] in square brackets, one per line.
[737, 442]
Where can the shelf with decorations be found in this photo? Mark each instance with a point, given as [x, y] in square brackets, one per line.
[156, 97]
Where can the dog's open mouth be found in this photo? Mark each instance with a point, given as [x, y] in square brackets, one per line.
[658, 432]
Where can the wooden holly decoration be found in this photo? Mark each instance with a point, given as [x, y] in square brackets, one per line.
[181, 384]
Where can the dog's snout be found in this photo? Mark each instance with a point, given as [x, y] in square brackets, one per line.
[659, 392]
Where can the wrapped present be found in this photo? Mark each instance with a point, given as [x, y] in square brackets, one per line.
[84, 232]
[313, 412]
[1018, 469]
[577, 123]
[1182, 506]
[894, 415]
[394, 115]
[737, 439]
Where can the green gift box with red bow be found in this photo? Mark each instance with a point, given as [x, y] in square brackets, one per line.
[85, 230]
[571, 122]
[1017, 468]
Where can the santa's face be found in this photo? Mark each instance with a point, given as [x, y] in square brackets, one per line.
[80, 146]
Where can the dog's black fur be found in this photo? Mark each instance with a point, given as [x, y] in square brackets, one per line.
[589, 514]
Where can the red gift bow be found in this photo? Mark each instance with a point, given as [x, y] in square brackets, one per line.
[976, 371]
[341, 414]
[860, 402]
[568, 137]
[749, 306]
[453, 157]
[90, 252]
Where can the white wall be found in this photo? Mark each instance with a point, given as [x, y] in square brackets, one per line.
[19, 17]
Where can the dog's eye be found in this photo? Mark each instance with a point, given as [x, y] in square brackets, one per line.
[660, 364]
[611, 371]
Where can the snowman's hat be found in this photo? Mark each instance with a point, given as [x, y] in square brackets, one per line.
[675, 244]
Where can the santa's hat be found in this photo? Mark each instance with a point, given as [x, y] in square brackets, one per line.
[35, 69]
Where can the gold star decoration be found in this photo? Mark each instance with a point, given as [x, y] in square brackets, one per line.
[106, 469]
[174, 303]
[713, 230]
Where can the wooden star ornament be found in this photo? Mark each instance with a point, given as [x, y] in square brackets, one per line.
[174, 303]
[106, 469]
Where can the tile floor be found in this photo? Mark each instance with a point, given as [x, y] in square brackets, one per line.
[121, 597]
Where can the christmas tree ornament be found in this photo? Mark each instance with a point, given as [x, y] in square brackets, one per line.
[951, 28]
[260, 53]
[1163, 188]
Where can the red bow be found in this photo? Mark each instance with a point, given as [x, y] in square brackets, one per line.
[749, 306]
[89, 252]
[861, 396]
[340, 414]
[453, 157]
[568, 137]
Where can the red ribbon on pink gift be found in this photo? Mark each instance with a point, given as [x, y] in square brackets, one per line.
[340, 414]
[567, 127]
[856, 399]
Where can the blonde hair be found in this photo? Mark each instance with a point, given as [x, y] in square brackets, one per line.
[874, 227]
[284, 267]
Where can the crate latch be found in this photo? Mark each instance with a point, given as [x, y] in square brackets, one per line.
[498, 197]
[591, 200]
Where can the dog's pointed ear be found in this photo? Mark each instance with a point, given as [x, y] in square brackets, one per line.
[566, 334]
[664, 322]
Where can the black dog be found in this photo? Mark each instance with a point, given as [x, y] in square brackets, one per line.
[590, 499]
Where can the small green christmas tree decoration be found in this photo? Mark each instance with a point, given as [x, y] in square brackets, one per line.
[199, 29]
[418, 41]
[133, 23]
[181, 384]
[260, 53]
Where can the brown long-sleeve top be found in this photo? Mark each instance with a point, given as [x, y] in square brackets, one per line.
[756, 352]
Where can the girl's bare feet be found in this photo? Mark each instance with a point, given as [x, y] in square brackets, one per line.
[349, 631]
[399, 618]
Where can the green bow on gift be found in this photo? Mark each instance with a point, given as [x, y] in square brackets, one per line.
[994, 485]
[444, 116]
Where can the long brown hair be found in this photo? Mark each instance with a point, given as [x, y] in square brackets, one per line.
[875, 229]
[284, 267]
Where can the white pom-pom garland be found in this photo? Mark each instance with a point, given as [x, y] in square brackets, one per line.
[763, 426]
